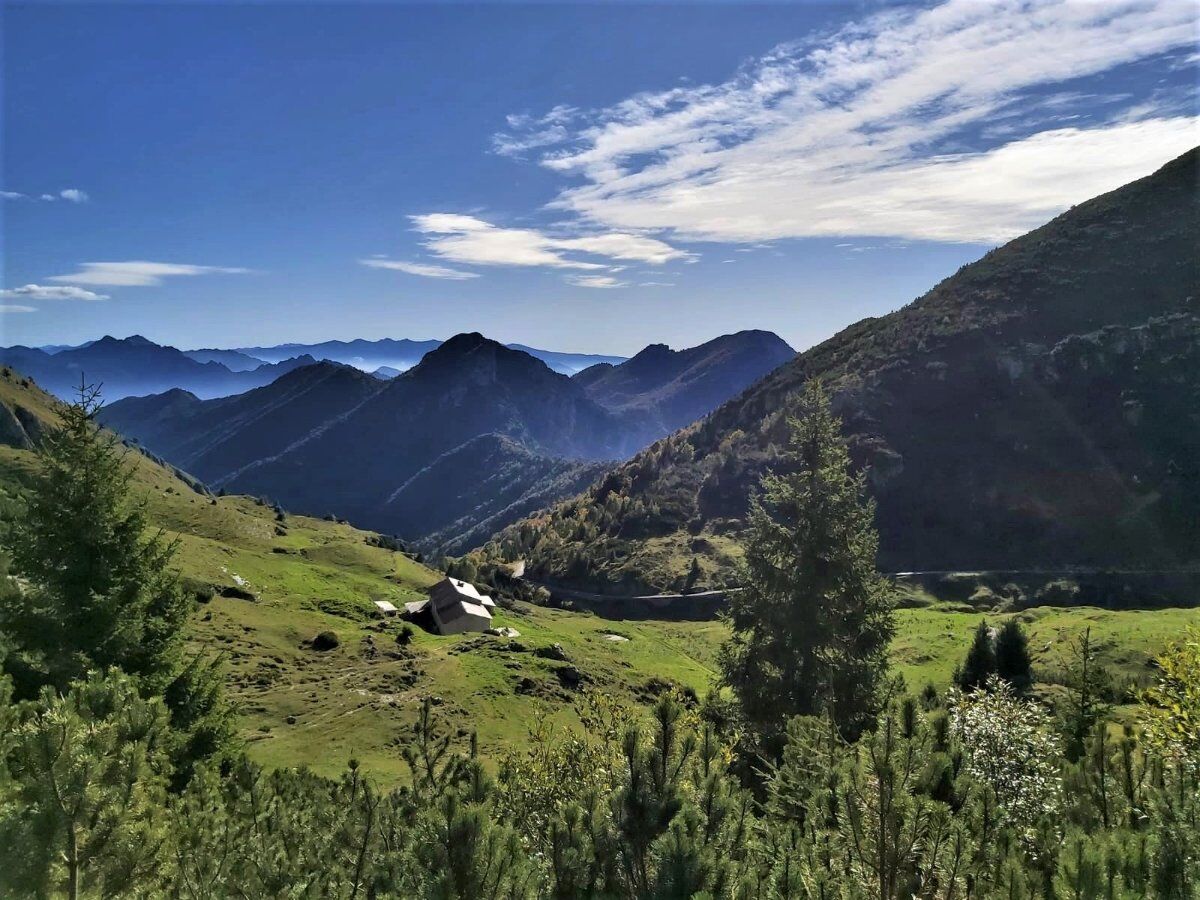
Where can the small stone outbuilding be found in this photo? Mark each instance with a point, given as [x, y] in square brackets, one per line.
[456, 606]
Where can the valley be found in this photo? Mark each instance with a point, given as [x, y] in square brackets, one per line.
[1013, 388]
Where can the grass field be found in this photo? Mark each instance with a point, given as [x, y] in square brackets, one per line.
[300, 706]
[356, 700]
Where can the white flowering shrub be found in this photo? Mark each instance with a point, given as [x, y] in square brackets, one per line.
[1008, 746]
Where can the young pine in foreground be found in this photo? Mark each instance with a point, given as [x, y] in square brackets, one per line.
[974, 800]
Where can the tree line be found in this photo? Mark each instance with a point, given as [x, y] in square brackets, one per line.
[809, 772]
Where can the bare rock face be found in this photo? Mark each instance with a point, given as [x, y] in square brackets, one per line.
[12, 432]
[554, 651]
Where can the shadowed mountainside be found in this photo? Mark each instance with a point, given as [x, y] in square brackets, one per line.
[1039, 407]
[673, 388]
[473, 437]
[214, 439]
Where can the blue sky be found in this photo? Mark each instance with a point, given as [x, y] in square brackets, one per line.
[578, 177]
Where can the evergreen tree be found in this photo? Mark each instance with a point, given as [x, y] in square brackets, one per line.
[97, 590]
[1013, 663]
[99, 593]
[980, 663]
[812, 625]
[86, 814]
[1089, 687]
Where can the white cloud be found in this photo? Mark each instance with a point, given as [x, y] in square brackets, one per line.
[866, 131]
[139, 273]
[595, 281]
[50, 292]
[466, 239]
[75, 195]
[426, 271]
[531, 134]
[16, 308]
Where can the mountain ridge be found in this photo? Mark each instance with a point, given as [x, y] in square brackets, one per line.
[329, 438]
[135, 366]
[676, 387]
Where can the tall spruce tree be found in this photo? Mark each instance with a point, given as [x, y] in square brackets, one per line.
[980, 663]
[812, 625]
[97, 588]
[1013, 663]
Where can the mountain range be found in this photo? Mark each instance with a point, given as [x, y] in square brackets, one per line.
[135, 366]
[396, 355]
[474, 436]
[1039, 408]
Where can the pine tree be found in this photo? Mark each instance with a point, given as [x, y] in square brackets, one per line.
[812, 625]
[99, 593]
[980, 663]
[98, 590]
[652, 795]
[1013, 663]
[1087, 702]
[87, 815]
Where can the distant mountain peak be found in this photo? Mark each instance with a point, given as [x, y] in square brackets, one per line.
[653, 351]
[471, 350]
[466, 342]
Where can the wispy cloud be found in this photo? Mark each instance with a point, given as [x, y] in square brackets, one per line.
[422, 269]
[16, 308]
[467, 239]
[529, 133]
[50, 292]
[140, 273]
[595, 281]
[873, 130]
[74, 195]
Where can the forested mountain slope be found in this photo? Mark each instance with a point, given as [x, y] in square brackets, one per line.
[1041, 407]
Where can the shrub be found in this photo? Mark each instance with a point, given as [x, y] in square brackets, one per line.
[326, 640]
